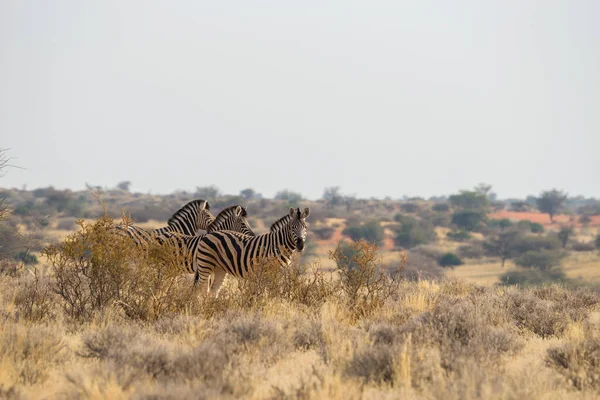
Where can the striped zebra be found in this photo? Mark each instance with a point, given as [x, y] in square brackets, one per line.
[233, 218]
[188, 220]
[223, 252]
[182, 249]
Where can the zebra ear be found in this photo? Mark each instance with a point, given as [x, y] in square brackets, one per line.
[238, 211]
[306, 213]
[292, 211]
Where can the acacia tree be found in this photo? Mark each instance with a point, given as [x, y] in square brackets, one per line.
[564, 233]
[502, 245]
[550, 202]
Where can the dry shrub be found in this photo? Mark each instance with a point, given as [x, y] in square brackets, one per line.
[305, 285]
[421, 267]
[27, 354]
[126, 348]
[96, 269]
[364, 283]
[548, 311]
[34, 298]
[579, 361]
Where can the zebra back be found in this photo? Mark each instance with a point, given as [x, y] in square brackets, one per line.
[189, 219]
[234, 253]
[233, 218]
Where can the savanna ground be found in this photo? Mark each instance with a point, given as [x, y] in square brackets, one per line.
[104, 319]
[98, 318]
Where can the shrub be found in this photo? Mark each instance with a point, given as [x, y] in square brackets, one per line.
[441, 207]
[410, 207]
[364, 283]
[597, 242]
[564, 234]
[583, 246]
[474, 250]
[421, 267]
[450, 260]
[532, 227]
[370, 231]
[95, 269]
[578, 361]
[413, 232]
[541, 259]
[533, 277]
[523, 244]
[469, 220]
[458, 235]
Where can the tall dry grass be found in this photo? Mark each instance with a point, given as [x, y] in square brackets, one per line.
[108, 320]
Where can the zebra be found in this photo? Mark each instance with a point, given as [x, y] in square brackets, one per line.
[233, 218]
[188, 220]
[223, 252]
[181, 248]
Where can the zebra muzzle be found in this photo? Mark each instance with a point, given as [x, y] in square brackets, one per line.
[300, 244]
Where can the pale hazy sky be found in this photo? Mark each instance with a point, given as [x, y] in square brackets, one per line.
[378, 97]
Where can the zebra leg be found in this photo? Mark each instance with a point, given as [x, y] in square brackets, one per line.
[219, 276]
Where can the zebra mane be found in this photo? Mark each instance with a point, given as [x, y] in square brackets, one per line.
[280, 223]
[226, 213]
[186, 210]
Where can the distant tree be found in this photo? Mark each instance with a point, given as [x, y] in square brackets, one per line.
[470, 200]
[550, 202]
[293, 198]
[541, 259]
[597, 242]
[469, 220]
[248, 193]
[207, 193]
[124, 186]
[459, 235]
[332, 196]
[440, 207]
[409, 207]
[450, 260]
[371, 231]
[349, 200]
[564, 233]
[519, 206]
[502, 245]
[413, 232]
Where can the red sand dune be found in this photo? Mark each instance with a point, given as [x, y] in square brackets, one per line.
[543, 219]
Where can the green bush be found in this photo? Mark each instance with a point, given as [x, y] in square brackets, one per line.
[440, 207]
[532, 227]
[413, 232]
[469, 220]
[597, 242]
[541, 259]
[458, 235]
[450, 260]
[524, 244]
[532, 277]
[370, 231]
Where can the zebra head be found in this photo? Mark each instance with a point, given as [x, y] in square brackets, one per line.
[298, 226]
[234, 218]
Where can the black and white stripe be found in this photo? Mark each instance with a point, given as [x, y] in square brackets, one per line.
[223, 252]
[188, 220]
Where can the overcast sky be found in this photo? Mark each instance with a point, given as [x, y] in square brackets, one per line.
[383, 98]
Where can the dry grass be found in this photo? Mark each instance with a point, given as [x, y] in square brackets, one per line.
[353, 333]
